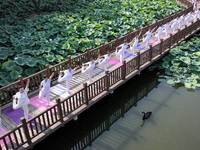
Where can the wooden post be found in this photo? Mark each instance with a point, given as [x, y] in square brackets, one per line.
[107, 80]
[128, 37]
[103, 49]
[85, 93]
[60, 115]
[21, 80]
[48, 71]
[25, 129]
[138, 60]
[123, 70]
[70, 61]
[150, 52]
[116, 42]
[171, 42]
[161, 46]
[88, 55]
[178, 35]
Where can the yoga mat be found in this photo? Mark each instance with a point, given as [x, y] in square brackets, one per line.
[153, 42]
[128, 54]
[40, 103]
[115, 62]
[141, 47]
[58, 89]
[7, 138]
[162, 37]
[15, 115]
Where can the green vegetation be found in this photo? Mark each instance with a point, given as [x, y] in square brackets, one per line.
[27, 45]
[182, 65]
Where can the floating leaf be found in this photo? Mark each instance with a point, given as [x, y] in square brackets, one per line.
[186, 60]
[170, 81]
[29, 71]
[14, 74]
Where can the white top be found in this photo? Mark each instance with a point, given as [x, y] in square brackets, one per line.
[160, 30]
[22, 99]
[149, 33]
[46, 85]
[106, 57]
[91, 65]
[124, 46]
[167, 26]
[135, 43]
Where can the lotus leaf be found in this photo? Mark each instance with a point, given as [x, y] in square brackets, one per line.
[176, 62]
[14, 74]
[176, 80]
[170, 81]
[183, 69]
[173, 68]
[29, 71]
[195, 68]
[165, 65]
[186, 60]
[18, 69]
[20, 61]
[31, 62]
[9, 65]
[188, 85]
[166, 59]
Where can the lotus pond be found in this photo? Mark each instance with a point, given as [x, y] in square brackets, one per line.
[26, 45]
[115, 123]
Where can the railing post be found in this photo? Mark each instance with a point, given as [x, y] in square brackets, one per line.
[128, 37]
[88, 55]
[150, 52]
[138, 60]
[171, 42]
[25, 129]
[123, 70]
[116, 42]
[178, 35]
[103, 49]
[21, 80]
[107, 80]
[85, 93]
[48, 71]
[70, 61]
[60, 115]
[161, 46]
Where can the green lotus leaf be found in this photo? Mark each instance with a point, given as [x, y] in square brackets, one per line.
[176, 62]
[175, 50]
[31, 62]
[192, 81]
[20, 61]
[192, 49]
[188, 85]
[170, 81]
[161, 80]
[29, 71]
[9, 65]
[3, 83]
[195, 68]
[186, 60]
[184, 53]
[14, 74]
[18, 69]
[50, 58]
[176, 80]
[168, 72]
[165, 65]
[3, 56]
[167, 59]
[173, 68]
[3, 40]
[197, 53]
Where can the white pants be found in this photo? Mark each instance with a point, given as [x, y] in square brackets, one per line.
[121, 55]
[25, 108]
[166, 32]
[133, 48]
[89, 71]
[159, 37]
[147, 42]
[44, 92]
[104, 62]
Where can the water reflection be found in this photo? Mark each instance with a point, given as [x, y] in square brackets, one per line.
[81, 134]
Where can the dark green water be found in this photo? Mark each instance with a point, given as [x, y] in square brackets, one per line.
[115, 122]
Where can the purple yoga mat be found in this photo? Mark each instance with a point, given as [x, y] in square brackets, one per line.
[153, 42]
[141, 47]
[15, 115]
[115, 62]
[128, 54]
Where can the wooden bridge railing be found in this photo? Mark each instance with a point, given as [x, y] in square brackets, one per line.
[32, 128]
[35, 79]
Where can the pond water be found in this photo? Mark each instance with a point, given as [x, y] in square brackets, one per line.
[115, 123]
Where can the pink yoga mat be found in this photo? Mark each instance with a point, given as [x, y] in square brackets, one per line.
[40, 103]
[7, 138]
[115, 62]
[153, 42]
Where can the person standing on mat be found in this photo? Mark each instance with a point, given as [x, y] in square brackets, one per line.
[122, 50]
[188, 18]
[159, 30]
[67, 76]
[21, 100]
[174, 25]
[148, 37]
[103, 60]
[196, 15]
[134, 43]
[45, 88]
[166, 28]
[89, 69]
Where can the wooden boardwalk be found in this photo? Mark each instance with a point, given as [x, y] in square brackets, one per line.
[45, 121]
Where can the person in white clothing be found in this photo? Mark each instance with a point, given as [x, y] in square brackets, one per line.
[120, 50]
[159, 30]
[21, 100]
[188, 18]
[103, 60]
[134, 42]
[148, 37]
[166, 28]
[180, 21]
[45, 88]
[195, 5]
[174, 25]
[89, 69]
[67, 76]
[196, 15]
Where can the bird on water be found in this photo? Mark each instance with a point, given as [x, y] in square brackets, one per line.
[146, 115]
